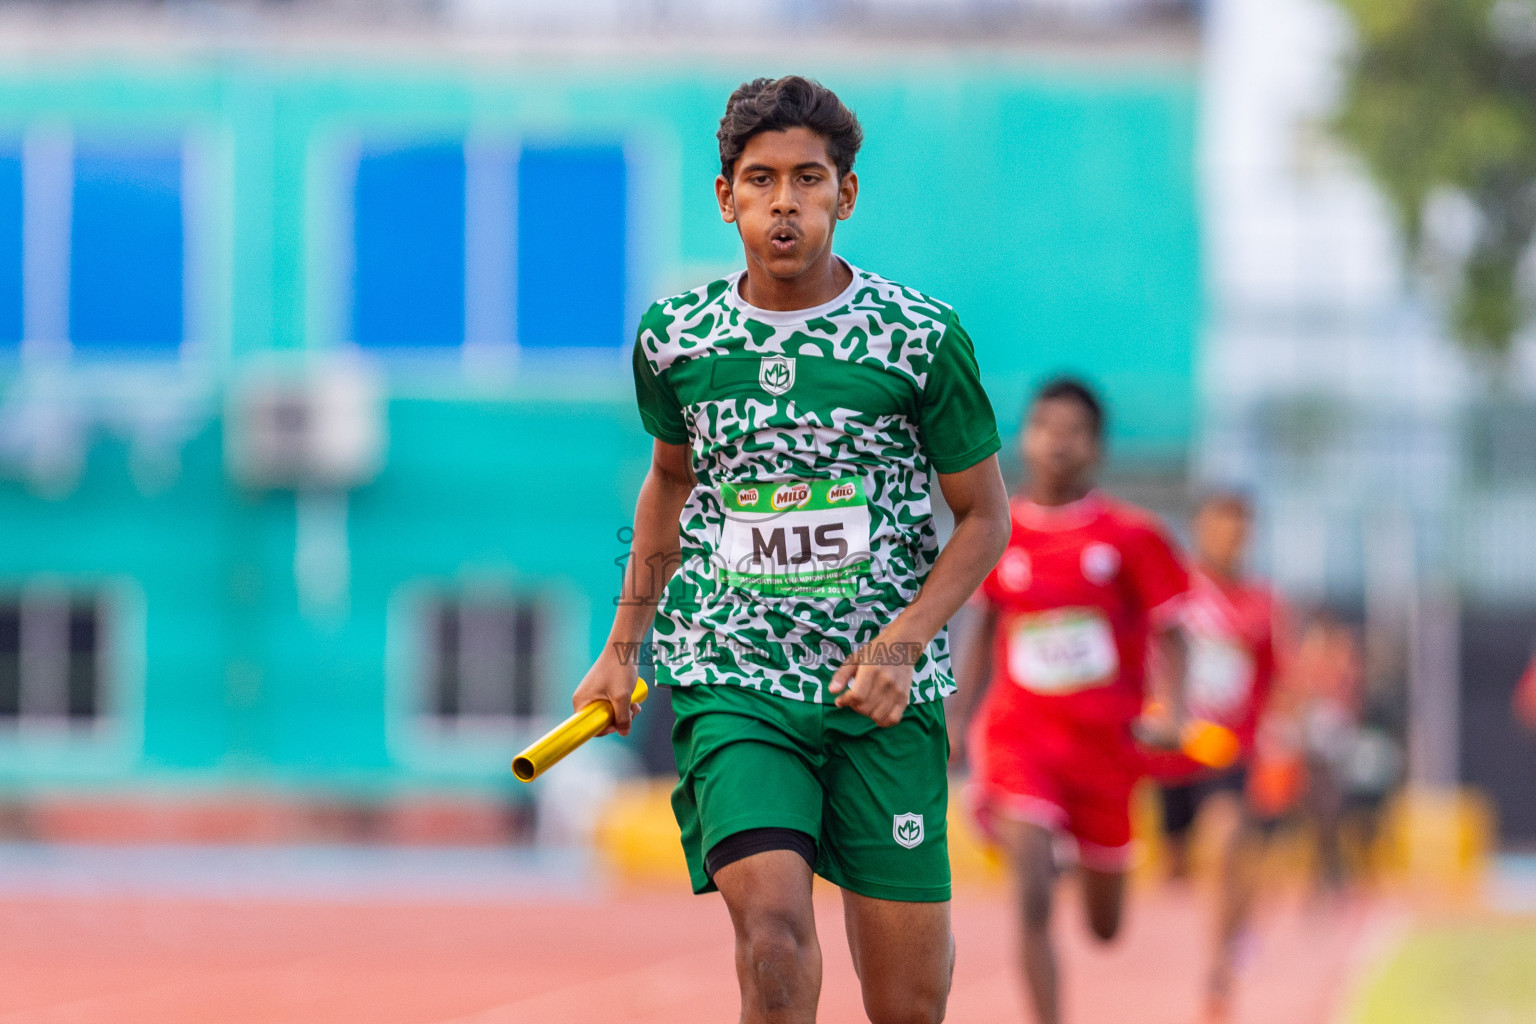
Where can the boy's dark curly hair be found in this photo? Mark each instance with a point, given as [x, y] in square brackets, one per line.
[778, 104]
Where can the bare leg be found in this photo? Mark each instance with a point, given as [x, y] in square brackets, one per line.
[1177, 847]
[1104, 895]
[904, 955]
[778, 960]
[1242, 855]
[1031, 848]
[1325, 802]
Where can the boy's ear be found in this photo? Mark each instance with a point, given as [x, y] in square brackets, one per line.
[847, 195]
[726, 199]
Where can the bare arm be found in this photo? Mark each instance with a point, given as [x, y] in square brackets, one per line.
[653, 558]
[881, 688]
[973, 675]
[1173, 651]
[1164, 729]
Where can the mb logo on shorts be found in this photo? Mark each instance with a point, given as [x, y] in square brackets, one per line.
[776, 374]
[908, 829]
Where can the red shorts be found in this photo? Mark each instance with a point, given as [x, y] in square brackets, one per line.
[1062, 776]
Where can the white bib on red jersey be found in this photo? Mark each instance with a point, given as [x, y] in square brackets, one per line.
[1221, 675]
[1061, 651]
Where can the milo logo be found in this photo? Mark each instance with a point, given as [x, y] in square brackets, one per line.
[746, 497]
[791, 495]
[842, 492]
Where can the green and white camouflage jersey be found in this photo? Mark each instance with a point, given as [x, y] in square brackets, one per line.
[812, 433]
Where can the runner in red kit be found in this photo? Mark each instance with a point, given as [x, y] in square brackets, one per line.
[1232, 624]
[1086, 585]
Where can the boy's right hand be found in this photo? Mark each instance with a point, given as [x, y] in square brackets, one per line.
[613, 681]
[1158, 731]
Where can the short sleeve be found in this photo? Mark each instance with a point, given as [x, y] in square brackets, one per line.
[1157, 574]
[955, 419]
[660, 410]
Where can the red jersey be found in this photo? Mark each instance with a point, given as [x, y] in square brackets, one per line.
[1077, 593]
[1231, 630]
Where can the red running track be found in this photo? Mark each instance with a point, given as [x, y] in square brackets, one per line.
[638, 958]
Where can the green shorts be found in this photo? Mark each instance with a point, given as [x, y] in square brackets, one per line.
[875, 800]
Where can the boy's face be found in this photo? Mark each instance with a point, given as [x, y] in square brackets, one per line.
[1221, 534]
[1058, 442]
[785, 198]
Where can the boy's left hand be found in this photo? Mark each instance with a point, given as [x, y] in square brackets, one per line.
[877, 680]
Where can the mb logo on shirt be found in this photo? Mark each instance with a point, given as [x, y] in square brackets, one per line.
[776, 374]
[908, 829]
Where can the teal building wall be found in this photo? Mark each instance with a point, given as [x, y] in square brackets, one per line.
[1053, 202]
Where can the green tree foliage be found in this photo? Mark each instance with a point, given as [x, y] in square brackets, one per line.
[1440, 96]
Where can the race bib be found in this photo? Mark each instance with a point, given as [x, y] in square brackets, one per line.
[1220, 676]
[796, 537]
[1062, 651]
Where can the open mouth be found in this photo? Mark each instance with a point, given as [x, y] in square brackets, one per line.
[783, 239]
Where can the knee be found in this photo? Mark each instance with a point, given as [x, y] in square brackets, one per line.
[913, 1005]
[914, 999]
[929, 1011]
[777, 949]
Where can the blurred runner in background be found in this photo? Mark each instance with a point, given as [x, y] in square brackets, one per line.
[1087, 582]
[1234, 630]
[1328, 674]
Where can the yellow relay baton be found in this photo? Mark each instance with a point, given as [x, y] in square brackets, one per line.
[1209, 744]
[568, 735]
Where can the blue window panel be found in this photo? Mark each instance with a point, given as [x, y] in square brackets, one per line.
[10, 248]
[571, 247]
[408, 247]
[126, 249]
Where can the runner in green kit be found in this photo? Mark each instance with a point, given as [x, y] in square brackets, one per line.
[785, 529]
